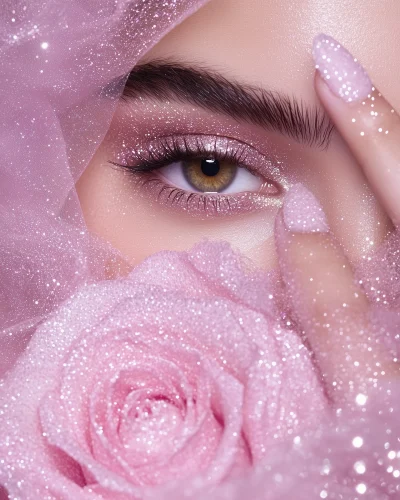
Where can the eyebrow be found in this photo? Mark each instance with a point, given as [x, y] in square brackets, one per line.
[210, 90]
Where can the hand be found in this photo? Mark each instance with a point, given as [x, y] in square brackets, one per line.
[330, 307]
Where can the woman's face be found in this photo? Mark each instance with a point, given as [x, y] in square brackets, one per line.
[193, 125]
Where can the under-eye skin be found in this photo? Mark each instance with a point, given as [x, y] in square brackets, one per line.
[204, 175]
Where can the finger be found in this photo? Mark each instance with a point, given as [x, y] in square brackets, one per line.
[325, 299]
[366, 121]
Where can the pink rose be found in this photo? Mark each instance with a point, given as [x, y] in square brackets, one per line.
[174, 375]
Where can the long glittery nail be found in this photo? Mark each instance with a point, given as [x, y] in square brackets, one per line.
[343, 74]
[302, 212]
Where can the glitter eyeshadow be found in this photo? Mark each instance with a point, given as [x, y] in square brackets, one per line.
[274, 182]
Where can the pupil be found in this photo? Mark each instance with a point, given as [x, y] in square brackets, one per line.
[210, 167]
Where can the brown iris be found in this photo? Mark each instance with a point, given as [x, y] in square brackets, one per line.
[209, 174]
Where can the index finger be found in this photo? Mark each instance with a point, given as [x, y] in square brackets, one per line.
[366, 121]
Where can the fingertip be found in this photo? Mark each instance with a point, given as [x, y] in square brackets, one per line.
[302, 212]
[300, 217]
[341, 71]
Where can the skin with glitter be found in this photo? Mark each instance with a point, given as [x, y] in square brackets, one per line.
[246, 364]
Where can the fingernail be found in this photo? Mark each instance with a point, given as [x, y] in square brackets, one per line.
[343, 74]
[302, 212]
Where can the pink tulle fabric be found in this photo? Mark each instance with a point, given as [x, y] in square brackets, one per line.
[63, 66]
[183, 379]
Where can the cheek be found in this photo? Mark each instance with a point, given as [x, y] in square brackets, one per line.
[116, 210]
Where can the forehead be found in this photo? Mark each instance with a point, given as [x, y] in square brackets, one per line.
[268, 42]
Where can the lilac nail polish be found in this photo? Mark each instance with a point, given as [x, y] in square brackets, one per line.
[302, 212]
[345, 77]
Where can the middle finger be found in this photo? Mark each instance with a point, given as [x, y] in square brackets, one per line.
[327, 302]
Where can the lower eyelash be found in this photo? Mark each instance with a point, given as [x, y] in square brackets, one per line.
[143, 165]
[205, 205]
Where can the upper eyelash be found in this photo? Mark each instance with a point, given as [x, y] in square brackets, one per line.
[141, 163]
[175, 149]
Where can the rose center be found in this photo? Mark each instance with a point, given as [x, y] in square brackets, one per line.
[149, 425]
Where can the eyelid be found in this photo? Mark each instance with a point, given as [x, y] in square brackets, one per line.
[146, 157]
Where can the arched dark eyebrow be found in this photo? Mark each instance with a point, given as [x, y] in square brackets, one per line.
[164, 80]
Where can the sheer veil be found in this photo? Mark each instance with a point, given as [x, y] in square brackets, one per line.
[237, 375]
[63, 66]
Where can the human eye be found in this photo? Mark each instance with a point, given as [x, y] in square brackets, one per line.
[204, 175]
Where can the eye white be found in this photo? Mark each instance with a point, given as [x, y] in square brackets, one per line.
[242, 182]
